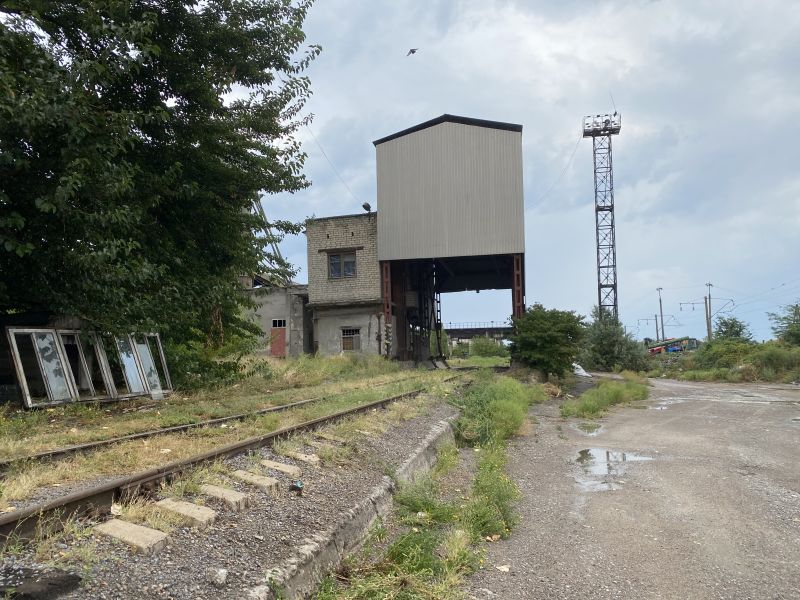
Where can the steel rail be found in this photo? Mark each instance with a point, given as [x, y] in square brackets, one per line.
[65, 451]
[98, 499]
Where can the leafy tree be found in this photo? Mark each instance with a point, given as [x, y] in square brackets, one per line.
[547, 339]
[134, 137]
[606, 346]
[786, 324]
[445, 341]
[731, 328]
[486, 346]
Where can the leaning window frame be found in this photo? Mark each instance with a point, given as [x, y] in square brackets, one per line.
[11, 332]
[166, 385]
[100, 352]
[137, 363]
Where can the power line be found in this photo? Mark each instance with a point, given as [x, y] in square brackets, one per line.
[335, 170]
[564, 170]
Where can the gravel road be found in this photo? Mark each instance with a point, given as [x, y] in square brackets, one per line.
[704, 503]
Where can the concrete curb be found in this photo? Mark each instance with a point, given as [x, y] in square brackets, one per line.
[319, 554]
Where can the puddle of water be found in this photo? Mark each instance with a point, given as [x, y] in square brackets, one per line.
[597, 461]
[590, 429]
[600, 467]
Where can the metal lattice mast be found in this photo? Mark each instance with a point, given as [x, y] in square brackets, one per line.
[600, 128]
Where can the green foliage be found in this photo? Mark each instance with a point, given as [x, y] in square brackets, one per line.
[485, 346]
[127, 171]
[460, 350]
[494, 408]
[731, 328]
[547, 339]
[786, 324]
[491, 508]
[721, 353]
[607, 347]
[445, 342]
[594, 401]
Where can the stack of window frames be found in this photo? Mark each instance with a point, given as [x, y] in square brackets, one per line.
[55, 366]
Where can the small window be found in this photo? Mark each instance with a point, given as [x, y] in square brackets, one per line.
[351, 340]
[342, 265]
[278, 323]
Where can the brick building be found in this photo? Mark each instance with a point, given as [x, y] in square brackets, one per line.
[344, 285]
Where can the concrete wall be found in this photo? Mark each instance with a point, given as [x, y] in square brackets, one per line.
[329, 322]
[359, 232]
[451, 189]
[288, 304]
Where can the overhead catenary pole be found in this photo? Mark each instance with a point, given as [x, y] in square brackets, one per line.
[661, 310]
[655, 318]
[708, 313]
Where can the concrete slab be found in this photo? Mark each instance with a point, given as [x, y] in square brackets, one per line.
[330, 437]
[140, 538]
[200, 516]
[267, 484]
[235, 500]
[311, 459]
[290, 470]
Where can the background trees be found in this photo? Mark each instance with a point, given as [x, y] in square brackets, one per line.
[607, 347]
[731, 328]
[134, 137]
[786, 324]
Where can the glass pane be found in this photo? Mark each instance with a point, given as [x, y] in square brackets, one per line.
[79, 374]
[148, 366]
[335, 265]
[155, 351]
[115, 366]
[92, 354]
[52, 367]
[30, 368]
[349, 261]
[126, 355]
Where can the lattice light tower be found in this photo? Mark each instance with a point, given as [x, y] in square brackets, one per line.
[600, 128]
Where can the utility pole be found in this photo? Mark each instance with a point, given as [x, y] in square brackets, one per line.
[661, 310]
[708, 311]
[655, 318]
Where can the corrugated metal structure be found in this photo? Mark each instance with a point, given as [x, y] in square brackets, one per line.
[450, 187]
[450, 219]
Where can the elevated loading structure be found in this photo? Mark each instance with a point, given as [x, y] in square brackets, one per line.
[450, 219]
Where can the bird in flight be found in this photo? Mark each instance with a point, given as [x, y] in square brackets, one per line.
[412, 51]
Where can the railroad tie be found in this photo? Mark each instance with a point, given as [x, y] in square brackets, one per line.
[330, 437]
[311, 459]
[199, 516]
[236, 501]
[140, 538]
[290, 470]
[267, 484]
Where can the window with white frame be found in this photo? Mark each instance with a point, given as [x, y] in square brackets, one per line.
[351, 339]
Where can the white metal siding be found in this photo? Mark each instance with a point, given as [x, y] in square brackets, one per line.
[450, 190]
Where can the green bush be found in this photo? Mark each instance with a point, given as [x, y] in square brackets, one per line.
[460, 350]
[725, 353]
[547, 340]
[484, 346]
[607, 347]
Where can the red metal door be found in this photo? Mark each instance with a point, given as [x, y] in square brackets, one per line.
[277, 344]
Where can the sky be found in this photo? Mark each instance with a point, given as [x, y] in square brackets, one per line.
[706, 167]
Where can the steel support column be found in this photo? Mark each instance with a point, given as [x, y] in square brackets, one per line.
[386, 293]
[604, 221]
[518, 286]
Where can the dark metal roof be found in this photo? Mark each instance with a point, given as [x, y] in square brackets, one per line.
[451, 119]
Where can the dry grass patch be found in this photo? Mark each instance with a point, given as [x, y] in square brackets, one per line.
[145, 512]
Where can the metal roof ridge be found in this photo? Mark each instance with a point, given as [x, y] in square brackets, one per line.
[448, 118]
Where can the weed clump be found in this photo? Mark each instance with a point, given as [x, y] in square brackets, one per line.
[598, 399]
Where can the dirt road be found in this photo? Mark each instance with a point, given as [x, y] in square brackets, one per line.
[693, 494]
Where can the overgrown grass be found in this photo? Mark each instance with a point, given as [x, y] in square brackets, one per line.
[483, 362]
[733, 361]
[493, 408]
[598, 399]
[25, 432]
[439, 543]
[26, 477]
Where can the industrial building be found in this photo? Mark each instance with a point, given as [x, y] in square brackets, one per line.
[450, 219]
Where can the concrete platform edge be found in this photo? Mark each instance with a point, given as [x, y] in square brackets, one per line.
[299, 576]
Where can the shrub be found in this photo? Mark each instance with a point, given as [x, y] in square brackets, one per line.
[607, 347]
[608, 393]
[547, 340]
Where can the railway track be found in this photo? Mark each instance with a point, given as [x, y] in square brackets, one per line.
[66, 451]
[97, 500]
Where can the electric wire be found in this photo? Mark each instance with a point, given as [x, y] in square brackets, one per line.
[561, 175]
[335, 170]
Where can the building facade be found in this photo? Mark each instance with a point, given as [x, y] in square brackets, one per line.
[344, 284]
[284, 317]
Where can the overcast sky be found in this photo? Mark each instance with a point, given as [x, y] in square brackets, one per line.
[706, 168]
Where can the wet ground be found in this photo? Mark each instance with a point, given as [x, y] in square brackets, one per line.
[699, 498]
